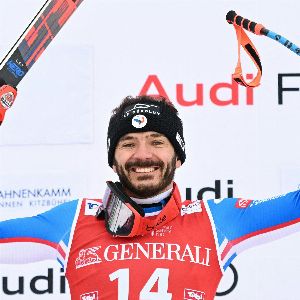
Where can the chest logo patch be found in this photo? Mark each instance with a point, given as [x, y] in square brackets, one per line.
[191, 207]
[163, 231]
[89, 296]
[193, 295]
[91, 207]
[87, 257]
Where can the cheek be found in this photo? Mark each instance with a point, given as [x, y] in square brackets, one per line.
[119, 158]
[167, 158]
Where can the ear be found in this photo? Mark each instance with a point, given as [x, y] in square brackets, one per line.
[178, 163]
[114, 168]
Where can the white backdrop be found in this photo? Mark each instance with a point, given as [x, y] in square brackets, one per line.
[54, 137]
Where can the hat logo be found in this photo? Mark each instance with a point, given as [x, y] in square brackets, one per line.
[141, 108]
[139, 121]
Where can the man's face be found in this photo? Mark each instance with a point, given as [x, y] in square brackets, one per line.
[145, 163]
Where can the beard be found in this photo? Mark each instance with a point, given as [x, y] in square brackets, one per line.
[144, 190]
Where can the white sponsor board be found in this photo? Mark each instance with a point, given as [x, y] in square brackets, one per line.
[29, 193]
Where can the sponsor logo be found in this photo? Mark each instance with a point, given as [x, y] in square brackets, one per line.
[243, 203]
[87, 257]
[220, 189]
[89, 296]
[180, 141]
[284, 86]
[222, 94]
[140, 108]
[14, 69]
[7, 100]
[257, 202]
[193, 295]
[91, 207]
[160, 221]
[192, 207]
[50, 282]
[20, 63]
[164, 230]
[139, 121]
[34, 197]
[138, 251]
[35, 193]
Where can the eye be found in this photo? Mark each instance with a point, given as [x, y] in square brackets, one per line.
[127, 145]
[157, 142]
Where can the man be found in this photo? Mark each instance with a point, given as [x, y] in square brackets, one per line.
[142, 241]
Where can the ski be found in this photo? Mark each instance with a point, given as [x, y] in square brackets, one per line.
[29, 47]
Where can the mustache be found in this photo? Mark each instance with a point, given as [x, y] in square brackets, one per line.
[143, 164]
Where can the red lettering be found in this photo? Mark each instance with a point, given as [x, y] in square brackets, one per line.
[233, 87]
[153, 79]
[215, 93]
[183, 102]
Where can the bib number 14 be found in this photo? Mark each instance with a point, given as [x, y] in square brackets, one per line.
[160, 276]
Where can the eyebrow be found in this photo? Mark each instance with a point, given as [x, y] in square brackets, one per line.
[156, 135]
[130, 137]
[126, 138]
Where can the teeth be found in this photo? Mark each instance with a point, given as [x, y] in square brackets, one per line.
[144, 170]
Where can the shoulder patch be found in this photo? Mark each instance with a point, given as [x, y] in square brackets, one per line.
[91, 206]
[242, 203]
[190, 207]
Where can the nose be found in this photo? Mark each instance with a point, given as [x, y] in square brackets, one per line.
[142, 152]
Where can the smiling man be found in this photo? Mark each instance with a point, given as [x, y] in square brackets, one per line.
[142, 241]
[145, 163]
[145, 145]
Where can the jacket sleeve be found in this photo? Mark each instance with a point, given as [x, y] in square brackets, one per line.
[44, 236]
[244, 223]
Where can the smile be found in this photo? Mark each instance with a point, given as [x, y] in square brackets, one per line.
[145, 170]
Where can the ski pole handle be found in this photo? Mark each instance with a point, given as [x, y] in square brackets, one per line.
[233, 18]
[239, 22]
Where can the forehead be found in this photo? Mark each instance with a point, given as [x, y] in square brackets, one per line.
[142, 135]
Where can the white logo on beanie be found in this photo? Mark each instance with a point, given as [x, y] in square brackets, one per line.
[139, 121]
[142, 108]
[180, 141]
